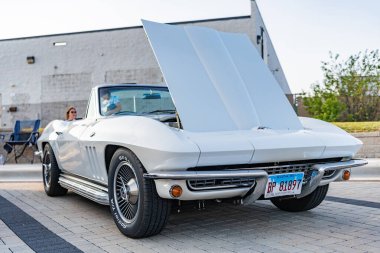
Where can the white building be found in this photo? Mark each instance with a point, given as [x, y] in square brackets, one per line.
[40, 76]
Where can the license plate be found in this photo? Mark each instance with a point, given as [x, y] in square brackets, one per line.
[284, 184]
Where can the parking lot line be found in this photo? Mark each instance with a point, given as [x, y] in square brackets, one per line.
[33, 233]
[354, 202]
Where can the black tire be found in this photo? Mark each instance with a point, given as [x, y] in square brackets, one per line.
[50, 173]
[302, 204]
[136, 208]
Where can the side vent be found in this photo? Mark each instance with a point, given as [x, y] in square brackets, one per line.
[94, 162]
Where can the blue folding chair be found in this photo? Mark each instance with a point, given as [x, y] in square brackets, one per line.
[25, 135]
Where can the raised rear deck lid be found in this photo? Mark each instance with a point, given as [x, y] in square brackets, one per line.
[218, 80]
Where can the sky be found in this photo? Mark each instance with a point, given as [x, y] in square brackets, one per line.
[302, 31]
[21, 18]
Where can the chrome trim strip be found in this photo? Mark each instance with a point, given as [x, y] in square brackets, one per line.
[319, 170]
[257, 191]
[338, 168]
[334, 177]
[341, 165]
[312, 184]
[83, 181]
[86, 189]
[225, 186]
[218, 187]
[187, 175]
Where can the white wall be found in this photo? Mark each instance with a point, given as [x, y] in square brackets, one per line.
[64, 75]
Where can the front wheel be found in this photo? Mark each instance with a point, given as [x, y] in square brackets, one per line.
[136, 208]
[50, 173]
[302, 204]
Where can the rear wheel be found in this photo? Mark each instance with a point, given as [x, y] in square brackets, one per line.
[302, 204]
[137, 209]
[50, 173]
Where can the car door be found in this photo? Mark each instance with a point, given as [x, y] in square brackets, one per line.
[70, 154]
[93, 154]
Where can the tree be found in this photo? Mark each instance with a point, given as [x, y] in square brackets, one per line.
[350, 89]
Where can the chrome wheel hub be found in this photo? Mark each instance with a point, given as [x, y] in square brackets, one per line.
[126, 191]
[129, 192]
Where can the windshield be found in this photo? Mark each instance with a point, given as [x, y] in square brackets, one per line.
[135, 100]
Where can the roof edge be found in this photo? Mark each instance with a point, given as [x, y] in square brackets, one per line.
[121, 28]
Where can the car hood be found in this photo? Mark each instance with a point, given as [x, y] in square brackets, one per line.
[218, 80]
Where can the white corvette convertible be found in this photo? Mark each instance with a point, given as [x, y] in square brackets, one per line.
[221, 128]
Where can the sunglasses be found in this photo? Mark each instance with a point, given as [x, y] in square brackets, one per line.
[73, 112]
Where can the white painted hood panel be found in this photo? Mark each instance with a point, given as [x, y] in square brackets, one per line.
[218, 81]
[263, 146]
[256, 146]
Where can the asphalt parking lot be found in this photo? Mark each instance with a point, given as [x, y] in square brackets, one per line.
[347, 221]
